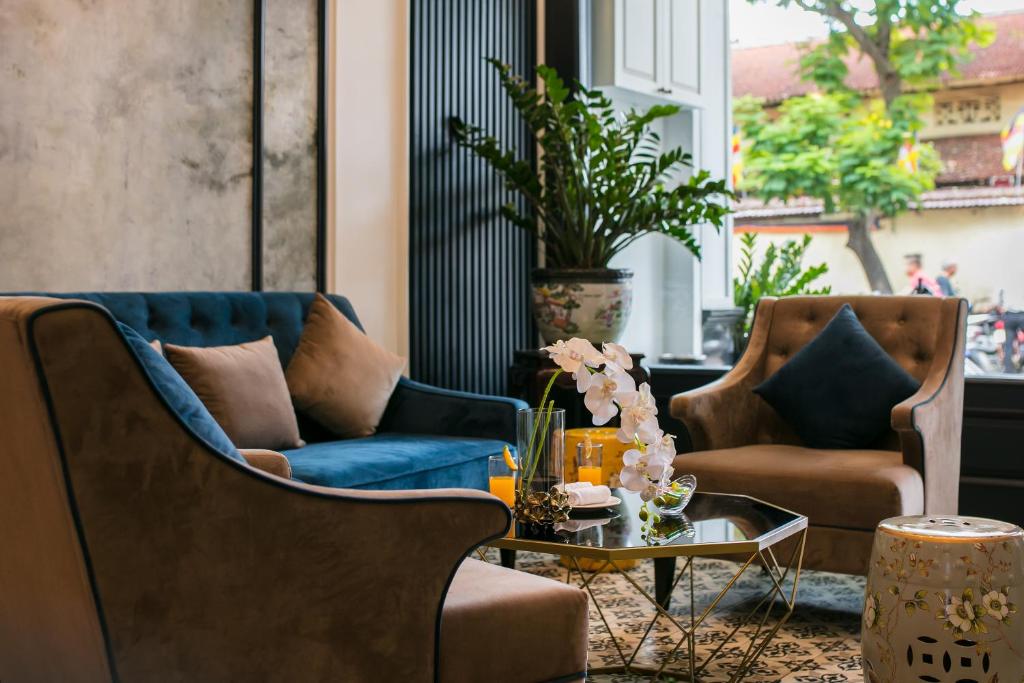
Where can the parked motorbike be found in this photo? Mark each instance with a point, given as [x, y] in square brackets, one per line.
[986, 336]
[982, 351]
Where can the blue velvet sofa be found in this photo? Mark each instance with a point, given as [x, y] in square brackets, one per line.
[428, 437]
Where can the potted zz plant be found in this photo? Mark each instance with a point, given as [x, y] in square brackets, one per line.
[601, 183]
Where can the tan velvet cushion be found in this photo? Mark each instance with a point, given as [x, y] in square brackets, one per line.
[841, 488]
[504, 626]
[338, 376]
[243, 387]
[268, 461]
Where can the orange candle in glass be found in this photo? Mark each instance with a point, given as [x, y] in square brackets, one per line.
[611, 455]
[588, 461]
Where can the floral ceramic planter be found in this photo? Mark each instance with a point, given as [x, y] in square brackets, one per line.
[590, 303]
[942, 602]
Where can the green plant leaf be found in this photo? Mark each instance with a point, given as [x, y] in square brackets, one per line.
[604, 180]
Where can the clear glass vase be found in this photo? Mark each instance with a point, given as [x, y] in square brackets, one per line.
[541, 443]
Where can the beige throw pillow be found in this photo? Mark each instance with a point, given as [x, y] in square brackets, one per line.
[338, 376]
[243, 387]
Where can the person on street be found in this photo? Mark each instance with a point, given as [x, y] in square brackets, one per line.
[1013, 324]
[920, 283]
[945, 279]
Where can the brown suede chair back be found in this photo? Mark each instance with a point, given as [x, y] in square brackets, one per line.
[131, 551]
[905, 326]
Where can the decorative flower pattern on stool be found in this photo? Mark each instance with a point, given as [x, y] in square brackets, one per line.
[905, 610]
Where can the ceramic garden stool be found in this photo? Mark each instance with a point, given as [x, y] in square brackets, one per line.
[942, 602]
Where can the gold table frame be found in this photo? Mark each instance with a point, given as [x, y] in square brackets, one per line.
[760, 548]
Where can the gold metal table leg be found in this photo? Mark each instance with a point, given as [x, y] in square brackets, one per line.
[759, 615]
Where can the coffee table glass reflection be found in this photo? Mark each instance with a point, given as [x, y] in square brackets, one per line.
[738, 527]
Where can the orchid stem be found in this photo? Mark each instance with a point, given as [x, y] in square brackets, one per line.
[540, 445]
[530, 458]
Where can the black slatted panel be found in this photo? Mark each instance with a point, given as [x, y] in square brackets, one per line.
[469, 269]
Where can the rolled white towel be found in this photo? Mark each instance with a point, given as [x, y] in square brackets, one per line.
[576, 485]
[589, 495]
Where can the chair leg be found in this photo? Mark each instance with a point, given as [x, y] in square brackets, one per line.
[664, 573]
[508, 558]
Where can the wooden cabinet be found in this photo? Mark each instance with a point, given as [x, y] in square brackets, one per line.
[667, 49]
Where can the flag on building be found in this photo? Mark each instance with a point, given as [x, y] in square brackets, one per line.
[737, 156]
[909, 153]
[1013, 141]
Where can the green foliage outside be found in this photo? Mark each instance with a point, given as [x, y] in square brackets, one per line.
[603, 181]
[780, 272]
[842, 146]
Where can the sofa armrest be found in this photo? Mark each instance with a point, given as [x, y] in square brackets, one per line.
[203, 567]
[724, 413]
[929, 422]
[270, 462]
[417, 408]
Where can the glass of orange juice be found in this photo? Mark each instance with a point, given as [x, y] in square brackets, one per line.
[501, 479]
[588, 461]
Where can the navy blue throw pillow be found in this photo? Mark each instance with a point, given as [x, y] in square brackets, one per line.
[839, 390]
[179, 395]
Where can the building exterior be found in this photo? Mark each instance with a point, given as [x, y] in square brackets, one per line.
[975, 202]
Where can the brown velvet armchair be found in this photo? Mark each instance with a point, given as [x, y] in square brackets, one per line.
[130, 551]
[742, 446]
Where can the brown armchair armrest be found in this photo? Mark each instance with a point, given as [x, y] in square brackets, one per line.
[929, 422]
[203, 569]
[270, 462]
[723, 414]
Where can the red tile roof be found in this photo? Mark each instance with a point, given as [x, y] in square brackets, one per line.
[750, 209]
[969, 158]
[771, 72]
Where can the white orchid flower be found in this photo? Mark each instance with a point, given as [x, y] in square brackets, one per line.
[575, 356]
[639, 416]
[649, 492]
[634, 456]
[607, 388]
[617, 353]
[634, 477]
[658, 473]
[662, 450]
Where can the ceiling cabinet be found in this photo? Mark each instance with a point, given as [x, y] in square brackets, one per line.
[667, 49]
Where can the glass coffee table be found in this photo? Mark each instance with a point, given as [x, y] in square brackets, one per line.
[731, 527]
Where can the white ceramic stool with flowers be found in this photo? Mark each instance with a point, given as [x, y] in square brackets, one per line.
[942, 601]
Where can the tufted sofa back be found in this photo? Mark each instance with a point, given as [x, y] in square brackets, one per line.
[211, 318]
[907, 327]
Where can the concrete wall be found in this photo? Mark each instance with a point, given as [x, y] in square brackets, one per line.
[987, 244]
[289, 145]
[125, 144]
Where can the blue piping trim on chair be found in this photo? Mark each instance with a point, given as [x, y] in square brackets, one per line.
[438, 391]
[265, 478]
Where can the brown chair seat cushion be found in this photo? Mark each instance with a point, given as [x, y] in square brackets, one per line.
[852, 489]
[502, 625]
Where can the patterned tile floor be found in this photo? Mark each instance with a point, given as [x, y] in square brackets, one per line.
[819, 643]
